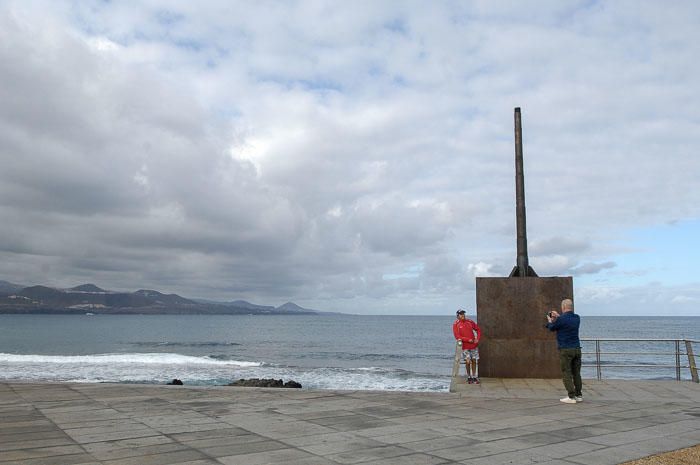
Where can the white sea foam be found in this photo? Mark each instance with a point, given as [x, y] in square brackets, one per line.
[128, 359]
[372, 378]
[159, 368]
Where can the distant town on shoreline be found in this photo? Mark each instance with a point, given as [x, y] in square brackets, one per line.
[91, 299]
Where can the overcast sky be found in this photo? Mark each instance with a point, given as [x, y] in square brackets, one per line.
[352, 156]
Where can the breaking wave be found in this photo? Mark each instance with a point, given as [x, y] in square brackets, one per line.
[208, 370]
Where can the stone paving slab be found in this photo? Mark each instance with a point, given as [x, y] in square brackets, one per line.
[500, 421]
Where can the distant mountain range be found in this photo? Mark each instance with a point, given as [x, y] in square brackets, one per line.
[89, 298]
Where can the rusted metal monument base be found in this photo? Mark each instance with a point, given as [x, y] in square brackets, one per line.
[511, 315]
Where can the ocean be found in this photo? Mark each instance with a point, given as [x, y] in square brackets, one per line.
[357, 352]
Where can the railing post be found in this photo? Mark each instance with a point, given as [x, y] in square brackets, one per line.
[678, 360]
[597, 359]
[455, 365]
[691, 361]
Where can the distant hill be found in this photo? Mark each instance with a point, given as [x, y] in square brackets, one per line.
[244, 304]
[291, 307]
[7, 287]
[164, 299]
[86, 288]
[42, 293]
[89, 298]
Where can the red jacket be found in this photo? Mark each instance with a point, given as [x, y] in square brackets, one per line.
[466, 330]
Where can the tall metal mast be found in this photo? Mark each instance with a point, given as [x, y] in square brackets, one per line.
[523, 268]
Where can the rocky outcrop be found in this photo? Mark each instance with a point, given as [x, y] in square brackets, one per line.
[175, 382]
[266, 382]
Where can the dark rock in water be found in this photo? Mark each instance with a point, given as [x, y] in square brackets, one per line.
[256, 382]
[266, 382]
[175, 382]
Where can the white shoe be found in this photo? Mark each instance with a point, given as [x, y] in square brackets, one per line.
[567, 400]
[578, 398]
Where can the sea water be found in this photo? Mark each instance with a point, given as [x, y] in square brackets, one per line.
[400, 353]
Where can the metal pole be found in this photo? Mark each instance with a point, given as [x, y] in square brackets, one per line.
[678, 360]
[597, 359]
[521, 227]
[691, 361]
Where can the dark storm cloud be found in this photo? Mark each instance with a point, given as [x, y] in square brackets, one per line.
[559, 245]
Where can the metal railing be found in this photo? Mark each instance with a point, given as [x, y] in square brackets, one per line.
[601, 362]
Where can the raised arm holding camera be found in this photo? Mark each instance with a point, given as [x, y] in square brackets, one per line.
[567, 327]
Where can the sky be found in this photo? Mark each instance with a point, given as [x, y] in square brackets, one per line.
[352, 156]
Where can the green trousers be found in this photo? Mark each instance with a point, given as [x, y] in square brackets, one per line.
[570, 360]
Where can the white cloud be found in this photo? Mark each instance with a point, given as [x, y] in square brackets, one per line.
[653, 298]
[480, 270]
[591, 268]
[103, 44]
[683, 299]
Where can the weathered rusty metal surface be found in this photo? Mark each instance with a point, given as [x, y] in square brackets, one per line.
[522, 268]
[510, 313]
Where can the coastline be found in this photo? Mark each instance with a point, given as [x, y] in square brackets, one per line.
[498, 421]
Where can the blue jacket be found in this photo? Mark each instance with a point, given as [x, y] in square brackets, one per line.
[566, 327]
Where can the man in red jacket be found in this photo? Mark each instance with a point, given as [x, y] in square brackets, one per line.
[468, 334]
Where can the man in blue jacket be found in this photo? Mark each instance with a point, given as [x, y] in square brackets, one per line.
[566, 325]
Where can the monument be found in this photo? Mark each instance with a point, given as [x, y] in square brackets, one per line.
[511, 311]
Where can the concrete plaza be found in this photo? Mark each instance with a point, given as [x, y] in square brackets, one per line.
[501, 421]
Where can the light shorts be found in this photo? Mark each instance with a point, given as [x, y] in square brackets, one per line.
[470, 354]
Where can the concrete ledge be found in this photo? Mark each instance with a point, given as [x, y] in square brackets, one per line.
[499, 421]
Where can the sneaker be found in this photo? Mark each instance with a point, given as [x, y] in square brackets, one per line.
[470, 381]
[567, 400]
[476, 381]
[578, 398]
